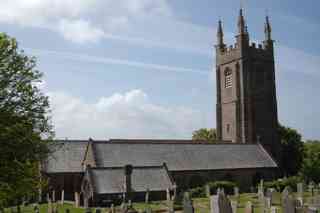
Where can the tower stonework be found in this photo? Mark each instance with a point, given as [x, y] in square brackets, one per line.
[246, 89]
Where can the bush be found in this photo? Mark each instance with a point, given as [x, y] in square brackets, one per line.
[280, 184]
[226, 185]
[197, 192]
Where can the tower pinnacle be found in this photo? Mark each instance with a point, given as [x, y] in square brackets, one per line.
[267, 29]
[241, 23]
[220, 43]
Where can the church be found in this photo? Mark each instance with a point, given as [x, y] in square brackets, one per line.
[96, 173]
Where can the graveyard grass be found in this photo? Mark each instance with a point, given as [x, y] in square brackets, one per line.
[201, 205]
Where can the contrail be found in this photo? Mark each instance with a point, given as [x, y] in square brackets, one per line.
[104, 60]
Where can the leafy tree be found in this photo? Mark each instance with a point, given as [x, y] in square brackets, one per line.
[209, 135]
[311, 163]
[291, 150]
[24, 122]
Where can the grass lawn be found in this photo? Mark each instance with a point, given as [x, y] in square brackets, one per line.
[201, 205]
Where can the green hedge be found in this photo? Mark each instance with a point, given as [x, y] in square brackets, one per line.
[201, 191]
[280, 184]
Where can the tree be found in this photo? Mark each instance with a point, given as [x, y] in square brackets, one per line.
[291, 150]
[311, 163]
[204, 134]
[24, 122]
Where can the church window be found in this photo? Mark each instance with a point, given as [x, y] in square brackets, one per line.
[228, 128]
[228, 78]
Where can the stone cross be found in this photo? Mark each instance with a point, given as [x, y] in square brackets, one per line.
[248, 207]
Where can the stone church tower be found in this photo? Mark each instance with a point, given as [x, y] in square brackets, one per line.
[246, 90]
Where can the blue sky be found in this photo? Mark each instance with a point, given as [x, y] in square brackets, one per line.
[144, 68]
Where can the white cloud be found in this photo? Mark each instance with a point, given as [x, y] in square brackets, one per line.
[79, 31]
[127, 115]
[84, 16]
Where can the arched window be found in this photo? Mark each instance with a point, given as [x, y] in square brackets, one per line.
[228, 78]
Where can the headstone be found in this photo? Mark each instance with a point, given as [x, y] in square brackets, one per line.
[234, 206]
[299, 201]
[312, 210]
[208, 193]
[311, 188]
[248, 207]
[171, 206]
[220, 204]
[147, 196]
[187, 204]
[98, 210]
[62, 196]
[112, 208]
[274, 209]
[36, 209]
[268, 202]
[49, 209]
[289, 205]
[148, 210]
[168, 194]
[236, 192]
[87, 210]
[300, 189]
[67, 211]
[261, 195]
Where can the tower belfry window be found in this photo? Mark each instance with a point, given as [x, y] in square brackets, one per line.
[228, 79]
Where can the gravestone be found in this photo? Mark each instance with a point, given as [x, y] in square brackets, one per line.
[260, 195]
[148, 210]
[311, 188]
[248, 207]
[289, 205]
[299, 202]
[208, 193]
[98, 210]
[168, 194]
[312, 210]
[147, 196]
[87, 210]
[187, 204]
[171, 206]
[112, 208]
[67, 211]
[268, 202]
[236, 192]
[300, 189]
[220, 204]
[234, 206]
[49, 209]
[274, 209]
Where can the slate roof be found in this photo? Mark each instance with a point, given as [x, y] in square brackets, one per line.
[183, 156]
[111, 180]
[66, 157]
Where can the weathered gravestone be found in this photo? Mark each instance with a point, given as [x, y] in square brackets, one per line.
[312, 210]
[311, 188]
[270, 194]
[112, 209]
[261, 195]
[87, 210]
[187, 204]
[98, 210]
[300, 189]
[234, 206]
[236, 192]
[49, 209]
[248, 207]
[146, 197]
[285, 193]
[220, 204]
[289, 205]
[171, 207]
[274, 209]
[267, 203]
[208, 192]
[148, 210]
[67, 211]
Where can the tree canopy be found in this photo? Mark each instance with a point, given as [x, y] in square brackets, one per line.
[204, 134]
[311, 162]
[24, 122]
